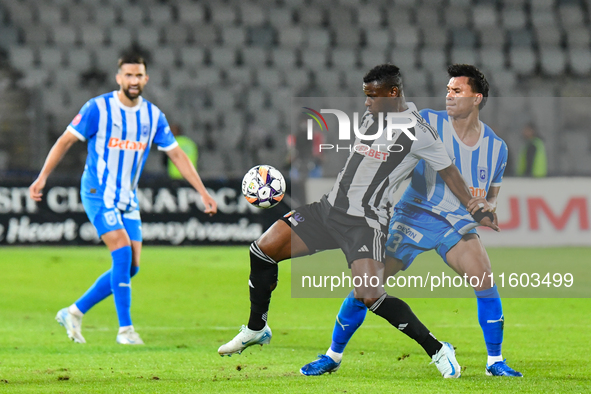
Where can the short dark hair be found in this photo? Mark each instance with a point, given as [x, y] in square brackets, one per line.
[384, 74]
[132, 58]
[476, 79]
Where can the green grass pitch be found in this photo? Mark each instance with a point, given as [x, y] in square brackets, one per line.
[188, 301]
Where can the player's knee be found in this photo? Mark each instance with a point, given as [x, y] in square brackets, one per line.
[368, 301]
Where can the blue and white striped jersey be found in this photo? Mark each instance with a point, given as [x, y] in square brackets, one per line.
[481, 165]
[119, 140]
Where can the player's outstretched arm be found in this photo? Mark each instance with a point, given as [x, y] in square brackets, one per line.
[57, 152]
[456, 183]
[188, 171]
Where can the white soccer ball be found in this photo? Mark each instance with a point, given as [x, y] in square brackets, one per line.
[263, 186]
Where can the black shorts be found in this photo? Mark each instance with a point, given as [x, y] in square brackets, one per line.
[322, 227]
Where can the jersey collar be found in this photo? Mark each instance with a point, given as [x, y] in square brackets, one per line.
[125, 107]
[461, 143]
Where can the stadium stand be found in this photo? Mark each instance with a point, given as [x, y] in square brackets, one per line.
[246, 56]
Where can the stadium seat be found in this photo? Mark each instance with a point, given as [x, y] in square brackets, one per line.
[427, 15]
[340, 17]
[106, 59]
[21, 14]
[22, 58]
[50, 58]
[282, 17]
[234, 37]
[405, 58]
[514, 18]
[255, 57]
[105, 16]
[523, 60]
[297, 78]
[571, 15]
[397, 16]
[456, 17]
[492, 58]
[492, 37]
[310, 17]
[343, 59]
[160, 15]
[347, 36]
[434, 38]
[93, 36]
[371, 57]
[541, 5]
[240, 76]
[208, 76]
[159, 77]
[49, 14]
[165, 57]
[317, 38]
[35, 78]
[256, 99]
[252, 14]
[66, 78]
[222, 56]
[223, 100]
[484, 16]
[578, 37]
[284, 58]
[190, 12]
[314, 59]
[416, 82]
[205, 35]
[65, 36]
[520, 38]
[9, 36]
[79, 14]
[463, 38]
[328, 80]
[120, 37]
[53, 99]
[222, 14]
[548, 36]
[290, 37]
[177, 35]
[543, 19]
[370, 17]
[180, 78]
[149, 36]
[580, 61]
[79, 59]
[378, 39]
[433, 59]
[192, 57]
[269, 77]
[463, 55]
[405, 36]
[37, 37]
[133, 15]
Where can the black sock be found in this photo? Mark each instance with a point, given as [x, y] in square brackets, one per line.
[262, 282]
[399, 314]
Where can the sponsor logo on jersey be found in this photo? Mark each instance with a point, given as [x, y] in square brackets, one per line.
[145, 130]
[477, 191]
[116, 143]
[408, 231]
[368, 151]
[297, 216]
[482, 174]
[110, 218]
[76, 120]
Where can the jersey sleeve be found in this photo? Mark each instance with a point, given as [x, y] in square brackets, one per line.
[425, 114]
[164, 137]
[85, 124]
[501, 165]
[434, 154]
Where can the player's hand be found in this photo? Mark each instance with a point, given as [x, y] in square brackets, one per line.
[477, 203]
[491, 224]
[36, 189]
[211, 207]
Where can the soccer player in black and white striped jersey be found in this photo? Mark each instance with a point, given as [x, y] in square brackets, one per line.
[354, 217]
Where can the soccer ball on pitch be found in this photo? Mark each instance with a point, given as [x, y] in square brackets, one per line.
[263, 186]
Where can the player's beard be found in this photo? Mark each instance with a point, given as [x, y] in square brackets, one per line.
[132, 96]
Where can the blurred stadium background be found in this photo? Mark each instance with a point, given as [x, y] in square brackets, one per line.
[226, 70]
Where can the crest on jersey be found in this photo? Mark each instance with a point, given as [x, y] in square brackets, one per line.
[482, 174]
[110, 218]
[145, 130]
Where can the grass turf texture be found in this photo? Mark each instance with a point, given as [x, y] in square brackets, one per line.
[188, 301]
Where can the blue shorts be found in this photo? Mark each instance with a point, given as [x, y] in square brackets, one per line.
[414, 230]
[110, 219]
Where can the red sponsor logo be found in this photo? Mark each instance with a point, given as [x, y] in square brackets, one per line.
[76, 120]
[477, 192]
[116, 143]
[371, 152]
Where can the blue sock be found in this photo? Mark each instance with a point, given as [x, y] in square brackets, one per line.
[121, 284]
[349, 319]
[490, 317]
[100, 290]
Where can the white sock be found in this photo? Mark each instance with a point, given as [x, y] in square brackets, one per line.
[73, 309]
[494, 359]
[125, 328]
[337, 357]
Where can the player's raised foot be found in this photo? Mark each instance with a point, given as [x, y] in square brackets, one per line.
[129, 337]
[446, 363]
[500, 368]
[323, 365]
[72, 324]
[245, 338]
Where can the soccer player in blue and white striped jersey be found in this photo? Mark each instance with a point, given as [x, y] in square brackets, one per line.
[120, 127]
[429, 216]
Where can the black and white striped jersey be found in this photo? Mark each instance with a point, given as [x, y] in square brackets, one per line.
[375, 168]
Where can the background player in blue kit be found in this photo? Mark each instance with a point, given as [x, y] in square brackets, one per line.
[430, 210]
[120, 128]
